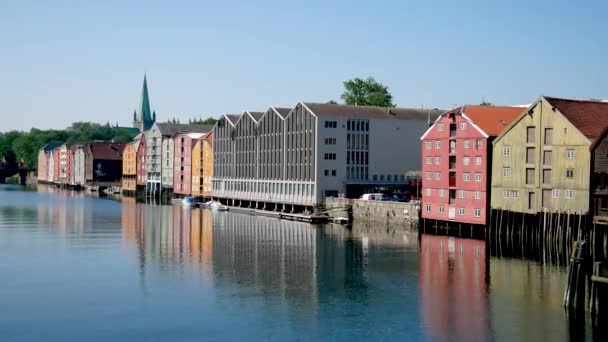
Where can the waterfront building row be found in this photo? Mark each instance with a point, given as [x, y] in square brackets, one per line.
[299, 156]
[551, 156]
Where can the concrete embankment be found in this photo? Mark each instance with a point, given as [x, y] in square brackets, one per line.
[390, 213]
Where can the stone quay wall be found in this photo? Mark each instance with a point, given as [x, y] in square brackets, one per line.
[391, 213]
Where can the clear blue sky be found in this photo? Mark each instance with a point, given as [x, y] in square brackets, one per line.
[65, 61]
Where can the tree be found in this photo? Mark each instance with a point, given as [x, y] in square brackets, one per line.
[332, 102]
[207, 121]
[366, 92]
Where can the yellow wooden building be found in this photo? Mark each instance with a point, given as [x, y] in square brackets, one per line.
[541, 162]
[202, 166]
[129, 167]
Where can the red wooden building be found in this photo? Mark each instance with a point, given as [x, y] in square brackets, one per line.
[456, 162]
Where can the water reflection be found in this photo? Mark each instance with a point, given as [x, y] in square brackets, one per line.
[235, 276]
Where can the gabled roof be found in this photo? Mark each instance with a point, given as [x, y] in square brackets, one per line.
[106, 151]
[366, 112]
[168, 129]
[492, 119]
[233, 118]
[589, 117]
[256, 115]
[49, 147]
[283, 112]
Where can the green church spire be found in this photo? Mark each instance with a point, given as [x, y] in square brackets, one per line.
[145, 114]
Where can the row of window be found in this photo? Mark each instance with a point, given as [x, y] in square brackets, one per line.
[514, 194]
[330, 156]
[461, 193]
[358, 125]
[331, 124]
[461, 211]
[530, 154]
[466, 176]
[465, 144]
[568, 173]
[330, 141]
[389, 178]
[441, 126]
[333, 172]
[465, 160]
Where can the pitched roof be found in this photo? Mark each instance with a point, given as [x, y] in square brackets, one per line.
[49, 147]
[491, 119]
[589, 117]
[233, 117]
[107, 151]
[256, 115]
[169, 129]
[282, 111]
[321, 109]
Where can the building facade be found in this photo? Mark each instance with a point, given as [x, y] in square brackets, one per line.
[56, 165]
[542, 160]
[141, 163]
[299, 157]
[456, 157]
[79, 165]
[197, 168]
[207, 166]
[44, 155]
[103, 162]
[129, 166]
[183, 162]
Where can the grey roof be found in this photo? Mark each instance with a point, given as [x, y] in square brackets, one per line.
[282, 111]
[49, 147]
[233, 117]
[169, 129]
[256, 115]
[321, 109]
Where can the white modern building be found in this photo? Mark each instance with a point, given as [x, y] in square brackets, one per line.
[291, 159]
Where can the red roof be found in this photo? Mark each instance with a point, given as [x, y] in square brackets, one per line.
[491, 119]
[589, 117]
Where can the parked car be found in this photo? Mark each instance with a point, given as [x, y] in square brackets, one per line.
[373, 197]
[397, 197]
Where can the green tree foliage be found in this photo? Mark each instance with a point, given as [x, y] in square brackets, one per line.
[201, 121]
[331, 102]
[26, 144]
[366, 92]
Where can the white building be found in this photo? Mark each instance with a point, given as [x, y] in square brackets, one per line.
[300, 156]
[79, 166]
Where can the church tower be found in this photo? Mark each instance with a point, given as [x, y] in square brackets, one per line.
[143, 118]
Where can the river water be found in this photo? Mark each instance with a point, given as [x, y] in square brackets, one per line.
[74, 267]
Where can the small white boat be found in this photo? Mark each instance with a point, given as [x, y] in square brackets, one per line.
[189, 201]
[216, 206]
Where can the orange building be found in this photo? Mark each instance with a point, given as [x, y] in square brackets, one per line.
[129, 167]
[202, 166]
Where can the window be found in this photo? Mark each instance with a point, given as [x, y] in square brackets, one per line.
[477, 212]
[330, 156]
[529, 176]
[437, 144]
[555, 193]
[466, 177]
[437, 160]
[477, 195]
[327, 172]
[477, 143]
[548, 136]
[429, 175]
[428, 208]
[570, 154]
[463, 126]
[330, 141]
[331, 124]
[428, 192]
[477, 177]
[440, 127]
[478, 160]
[530, 153]
[333, 172]
[514, 194]
[388, 178]
[506, 171]
[547, 157]
[465, 160]
[507, 194]
[437, 175]
[506, 150]
[375, 177]
[429, 145]
[441, 209]
[461, 194]
[547, 176]
[461, 211]
[569, 173]
[466, 144]
[441, 193]
[429, 160]
[569, 194]
[530, 135]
